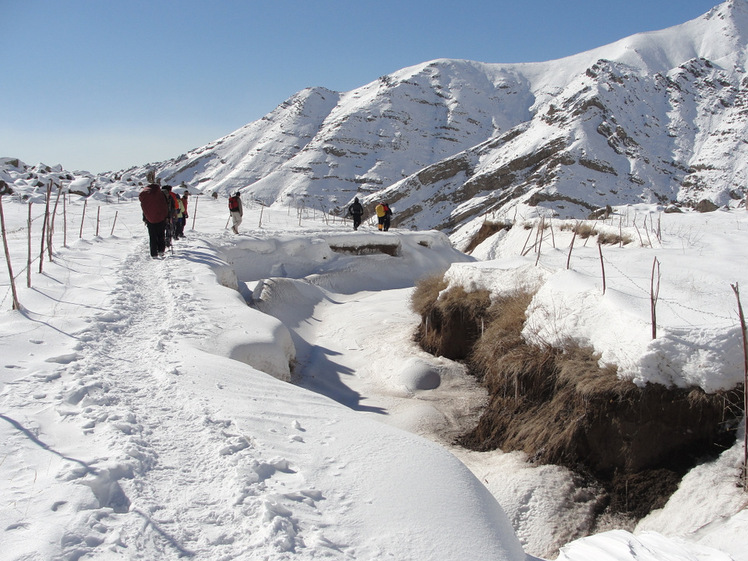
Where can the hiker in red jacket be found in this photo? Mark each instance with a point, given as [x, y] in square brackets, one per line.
[155, 212]
[237, 211]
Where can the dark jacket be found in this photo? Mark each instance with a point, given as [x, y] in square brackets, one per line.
[154, 204]
[355, 208]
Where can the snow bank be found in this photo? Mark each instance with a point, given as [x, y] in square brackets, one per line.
[698, 340]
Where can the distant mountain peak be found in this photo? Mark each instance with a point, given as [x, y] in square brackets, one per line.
[658, 117]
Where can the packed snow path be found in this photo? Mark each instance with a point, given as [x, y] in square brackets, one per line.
[123, 387]
[139, 444]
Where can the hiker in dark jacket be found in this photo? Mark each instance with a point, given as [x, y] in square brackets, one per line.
[356, 211]
[171, 220]
[155, 213]
[387, 217]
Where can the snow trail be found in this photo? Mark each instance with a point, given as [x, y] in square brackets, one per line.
[168, 451]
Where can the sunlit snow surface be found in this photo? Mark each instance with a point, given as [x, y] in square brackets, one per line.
[146, 414]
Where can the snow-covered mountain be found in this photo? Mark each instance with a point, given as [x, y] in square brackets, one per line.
[655, 117]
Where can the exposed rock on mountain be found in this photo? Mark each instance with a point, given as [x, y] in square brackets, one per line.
[657, 116]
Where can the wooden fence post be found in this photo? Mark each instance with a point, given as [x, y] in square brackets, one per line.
[574, 237]
[16, 304]
[51, 229]
[602, 263]
[539, 241]
[194, 211]
[654, 294]
[64, 222]
[44, 228]
[28, 259]
[85, 203]
[736, 290]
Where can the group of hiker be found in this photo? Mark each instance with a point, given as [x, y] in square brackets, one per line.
[383, 211]
[165, 214]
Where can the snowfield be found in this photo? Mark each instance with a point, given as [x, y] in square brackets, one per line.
[148, 412]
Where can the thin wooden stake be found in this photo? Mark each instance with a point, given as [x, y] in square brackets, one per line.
[568, 258]
[51, 229]
[98, 219]
[85, 203]
[194, 211]
[16, 304]
[44, 228]
[64, 222]
[540, 242]
[114, 223]
[641, 241]
[538, 234]
[553, 236]
[654, 294]
[736, 290]
[28, 258]
[602, 263]
[527, 240]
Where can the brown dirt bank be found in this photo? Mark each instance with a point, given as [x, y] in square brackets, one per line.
[559, 407]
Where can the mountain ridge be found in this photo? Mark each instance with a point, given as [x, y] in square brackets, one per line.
[657, 116]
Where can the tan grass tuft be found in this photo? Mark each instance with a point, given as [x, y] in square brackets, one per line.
[486, 230]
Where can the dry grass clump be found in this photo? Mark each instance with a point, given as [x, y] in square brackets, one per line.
[583, 230]
[543, 400]
[427, 291]
[586, 230]
[487, 229]
[560, 407]
[609, 238]
[451, 321]
[502, 334]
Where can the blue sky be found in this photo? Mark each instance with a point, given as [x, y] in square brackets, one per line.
[103, 85]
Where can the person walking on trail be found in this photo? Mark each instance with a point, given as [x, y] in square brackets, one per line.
[380, 215]
[387, 217]
[383, 216]
[155, 213]
[237, 211]
[185, 216]
[169, 225]
[356, 211]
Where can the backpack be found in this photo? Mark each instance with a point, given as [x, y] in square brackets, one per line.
[233, 203]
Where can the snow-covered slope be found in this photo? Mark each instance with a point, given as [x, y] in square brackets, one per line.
[655, 117]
